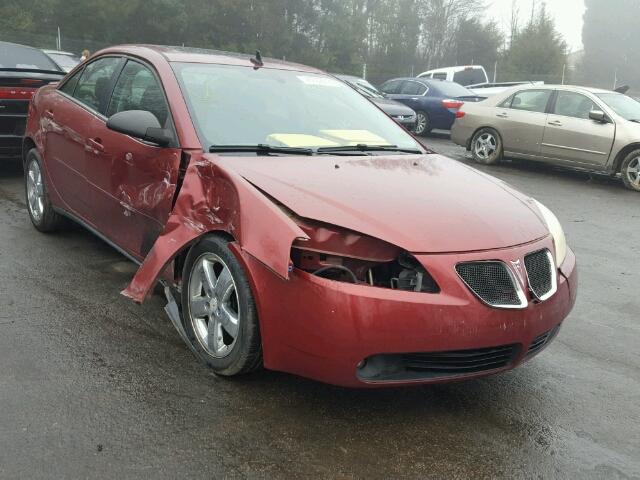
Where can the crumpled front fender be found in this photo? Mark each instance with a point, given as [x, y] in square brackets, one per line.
[212, 199]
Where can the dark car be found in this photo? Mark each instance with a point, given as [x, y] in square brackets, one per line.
[402, 114]
[436, 102]
[66, 61]
[22, 71]
[306, 232]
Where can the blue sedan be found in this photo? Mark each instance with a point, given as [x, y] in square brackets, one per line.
[436, 102]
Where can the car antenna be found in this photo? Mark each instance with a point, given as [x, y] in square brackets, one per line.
[257, 61]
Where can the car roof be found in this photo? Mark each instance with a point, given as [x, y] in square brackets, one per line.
[59, 52]
[458, 68]
[427, 82]
[576, 88]
[202, 55]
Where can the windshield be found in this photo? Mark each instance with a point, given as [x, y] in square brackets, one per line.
[67, 62]
[626, 107]
[236, 105]
[470, 76]
[17, 56]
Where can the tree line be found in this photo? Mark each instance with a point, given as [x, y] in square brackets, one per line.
[392, 37]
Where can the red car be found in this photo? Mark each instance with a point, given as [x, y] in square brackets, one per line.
[292, 223]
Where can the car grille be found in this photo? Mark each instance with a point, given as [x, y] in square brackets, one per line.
[417, 366]
[541, 274]
[493, 283]
[542, 341]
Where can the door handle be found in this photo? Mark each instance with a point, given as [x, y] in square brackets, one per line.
[502, 115]
[96, 144]
[49, 114]
[556, 123]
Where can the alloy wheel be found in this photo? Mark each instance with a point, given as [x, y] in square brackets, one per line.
[421, 123]
[633, 172]
[35, 191]
[214, 309]
[486, 145]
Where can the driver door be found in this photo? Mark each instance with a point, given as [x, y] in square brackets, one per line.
[133, 182]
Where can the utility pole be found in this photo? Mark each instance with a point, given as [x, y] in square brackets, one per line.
[364, 71]
[564, 69]
[59, 40]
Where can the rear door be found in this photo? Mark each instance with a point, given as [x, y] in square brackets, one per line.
[521, 121]
[572, 137]
[69, 116]
[412, 94]
[132, 182]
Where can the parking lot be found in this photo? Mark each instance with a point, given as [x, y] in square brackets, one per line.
[94, 386]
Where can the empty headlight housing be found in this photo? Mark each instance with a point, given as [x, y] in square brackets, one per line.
[346, 256]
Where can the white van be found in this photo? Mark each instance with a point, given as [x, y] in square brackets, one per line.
[464, 75]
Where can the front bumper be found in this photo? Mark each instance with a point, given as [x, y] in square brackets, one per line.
[407, 121]
[323, 330]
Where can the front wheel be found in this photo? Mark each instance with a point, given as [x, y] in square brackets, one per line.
[218, 309]
[486, 147]
[423, 124]
[630, 171]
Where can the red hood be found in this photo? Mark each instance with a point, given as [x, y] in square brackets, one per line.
[423, 204]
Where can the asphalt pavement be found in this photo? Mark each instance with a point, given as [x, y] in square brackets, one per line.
[94, 386]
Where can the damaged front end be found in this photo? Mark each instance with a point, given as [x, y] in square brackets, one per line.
[343, 255]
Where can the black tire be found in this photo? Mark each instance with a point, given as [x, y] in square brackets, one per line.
[630, 171]
[245, 353]
[490, 155]
[422, 129]
[48, 220]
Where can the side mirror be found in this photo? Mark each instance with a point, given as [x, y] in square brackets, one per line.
[598, 116]
[140, 124]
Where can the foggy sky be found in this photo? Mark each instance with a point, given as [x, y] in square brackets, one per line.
[567, 14]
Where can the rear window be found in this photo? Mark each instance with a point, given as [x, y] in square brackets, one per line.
[471, 76]
[453, 90]
[17, 56]
[65, 61]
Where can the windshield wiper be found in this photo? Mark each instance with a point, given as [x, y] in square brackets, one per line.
[260, 149]
[634, 120]
[363, 147]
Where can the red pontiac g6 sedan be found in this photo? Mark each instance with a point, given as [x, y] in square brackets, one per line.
[292, 223]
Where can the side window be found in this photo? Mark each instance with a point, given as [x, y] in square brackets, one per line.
[413, 88]
[70, 85]
[570, 104]
[137, 88]
[440, 76]
[392, 86]
[93, 86]
[531, 100]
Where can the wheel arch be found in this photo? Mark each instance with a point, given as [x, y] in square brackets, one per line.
[181, 257]
[27, 144]
[622, 154]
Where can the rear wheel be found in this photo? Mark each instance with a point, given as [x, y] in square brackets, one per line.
[42, 214]
[486, 147]
[218, 308]
[423, 123]
[630, 171]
